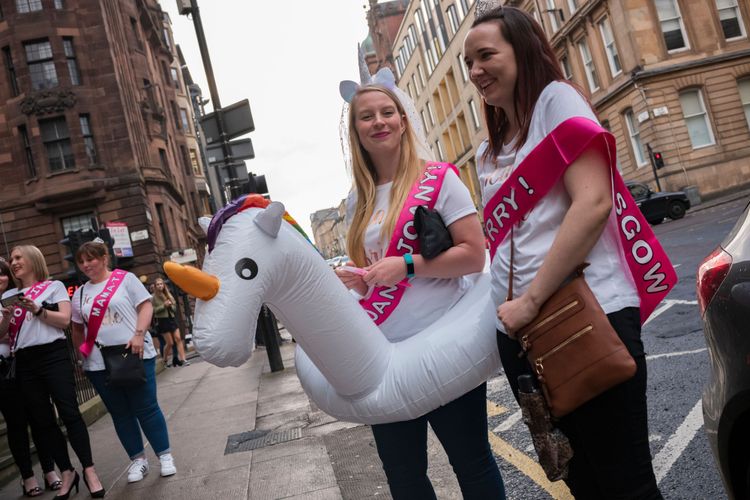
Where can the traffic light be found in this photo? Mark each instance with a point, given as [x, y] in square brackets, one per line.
[658, 159]
[72, 241]
[110, 242]
[257, 184]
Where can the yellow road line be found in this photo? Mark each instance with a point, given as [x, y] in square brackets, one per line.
[528, 466]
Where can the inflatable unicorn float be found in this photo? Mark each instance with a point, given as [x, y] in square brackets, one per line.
[259, 255]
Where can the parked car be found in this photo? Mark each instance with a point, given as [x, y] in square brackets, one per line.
[656, 206]
[724, 300]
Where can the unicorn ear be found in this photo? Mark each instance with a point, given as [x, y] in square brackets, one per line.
[347, 89]
[204, 222]
[269, 220]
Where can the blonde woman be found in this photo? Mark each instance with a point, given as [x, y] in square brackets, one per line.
[386, 168]
[165, 309]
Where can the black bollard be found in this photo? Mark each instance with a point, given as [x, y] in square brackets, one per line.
[267, 329]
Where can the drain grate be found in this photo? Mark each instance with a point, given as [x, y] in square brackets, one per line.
[252, 440]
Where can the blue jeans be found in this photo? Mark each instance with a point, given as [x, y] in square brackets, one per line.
[133, 409]
[461, 427]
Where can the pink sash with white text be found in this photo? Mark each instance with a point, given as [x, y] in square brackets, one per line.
[648, 264]
[383, 300]
[19, 313]
[98, 308]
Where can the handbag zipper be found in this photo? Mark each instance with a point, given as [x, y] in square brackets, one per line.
[538, 363]
[525, 344]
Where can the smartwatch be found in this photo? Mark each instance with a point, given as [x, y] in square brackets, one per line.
[409, 265]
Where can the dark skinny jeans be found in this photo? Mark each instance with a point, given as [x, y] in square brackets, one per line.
[45, 372]
[461, 427]
[609, 434]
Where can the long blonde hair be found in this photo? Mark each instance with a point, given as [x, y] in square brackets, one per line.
[35, 257]
[365, 176]
[164, 294]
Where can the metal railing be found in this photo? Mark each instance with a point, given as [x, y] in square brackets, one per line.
[84, 390]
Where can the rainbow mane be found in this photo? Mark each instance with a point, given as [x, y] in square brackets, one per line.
[238, 205]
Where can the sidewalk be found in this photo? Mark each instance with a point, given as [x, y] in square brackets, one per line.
[290, 448]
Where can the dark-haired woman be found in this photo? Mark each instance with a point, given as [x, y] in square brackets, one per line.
[526, 98]
[123, 317]
[14, 413]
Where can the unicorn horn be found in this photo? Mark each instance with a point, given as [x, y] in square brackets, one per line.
[192, 280]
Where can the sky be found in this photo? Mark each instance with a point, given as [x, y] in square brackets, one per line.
[287, 58]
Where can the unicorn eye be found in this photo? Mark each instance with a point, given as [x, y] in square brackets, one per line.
[246, 269]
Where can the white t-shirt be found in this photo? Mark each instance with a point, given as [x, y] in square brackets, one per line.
[120, 319]
[415, 311]
[607, 276]
[5, 343]
[33, 330]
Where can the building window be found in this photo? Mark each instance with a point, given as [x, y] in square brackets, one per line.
[88, 138]
[163, 161]
[730, 19]
[609, 45]
[136, 35]
[163, 224]
[744, 87]
[11, 71]
[194, 162]
[440, 152]
[185, 120]
[696, 118]
[414, 83]
[588, 65]
[565, 64]
[421, 75]
[399, 67]
[424, 121]
[552, 13]
[462, 67]
[166, 39]
[56, 139]
[671, 24]
[59, 4]
[24, 6]
[474, 113]
[453, 18]
[175, 115]
[410, 90]
[430, 114]
[70, 57]
[175, 78]
[635, 138]
[26, 143]
[185, 160]
[80, 222]
[41, 65]
[573, 6]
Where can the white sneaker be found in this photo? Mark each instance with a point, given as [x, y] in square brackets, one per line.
[137, 470]
[167, 465]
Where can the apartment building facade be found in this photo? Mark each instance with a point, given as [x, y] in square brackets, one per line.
[97, 125]
[668, 76]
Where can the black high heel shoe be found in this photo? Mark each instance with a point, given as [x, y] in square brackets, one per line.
[76, 478]
[94, 494]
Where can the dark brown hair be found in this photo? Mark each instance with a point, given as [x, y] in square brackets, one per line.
[5, 271]
[92, 250]
[536, 64]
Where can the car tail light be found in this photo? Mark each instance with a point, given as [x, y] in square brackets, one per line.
[711, 274]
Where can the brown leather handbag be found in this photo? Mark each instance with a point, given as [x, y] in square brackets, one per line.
[572, 347]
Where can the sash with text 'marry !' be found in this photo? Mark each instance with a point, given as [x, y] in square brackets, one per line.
[19, 313]
[647, 262]
[383, 300]
[98, 308]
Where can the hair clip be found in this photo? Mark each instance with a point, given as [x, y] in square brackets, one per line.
[98, 240]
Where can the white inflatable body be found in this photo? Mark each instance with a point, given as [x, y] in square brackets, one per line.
[344, 362]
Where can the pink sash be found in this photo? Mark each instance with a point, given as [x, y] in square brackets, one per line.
[383, 300]
[648, 264]
[98, 308]
[19, 313]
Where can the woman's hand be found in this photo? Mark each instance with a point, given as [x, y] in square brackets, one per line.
[386, 272]
[517, 313]
[29, 305]
[135, 344]
[352, 281]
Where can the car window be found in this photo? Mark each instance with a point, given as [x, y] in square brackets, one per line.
[638, 190]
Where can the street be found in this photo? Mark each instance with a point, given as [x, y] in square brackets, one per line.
[678, 367]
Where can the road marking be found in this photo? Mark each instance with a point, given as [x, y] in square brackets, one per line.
[509, 422]
[672, 354]
[493, 410]
[668, 455]
[528, 466]
[665, 306]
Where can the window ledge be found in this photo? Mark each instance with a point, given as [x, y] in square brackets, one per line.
[73, 170]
